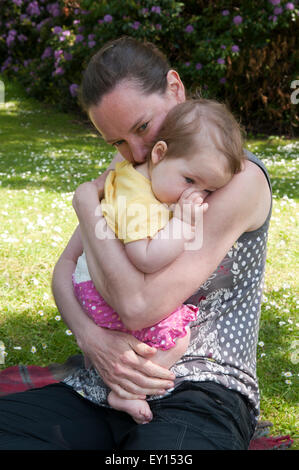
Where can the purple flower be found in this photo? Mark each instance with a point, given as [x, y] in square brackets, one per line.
[238, 19]
[79, 38]
[11, 37]
[54, 9]
[73, 89]
[289, 6]
[135, 25]
[57, 29]
[222, 80]
[275, 2]
[68, 56]
[277, 11]
[189, 28]
[58, 54]
[220, 61]
[108, 18]
[33, 9]
[225, 12]
[18, 2]
[27, 62]
[198, 66]
[91, 44]
[47, 53]
[235, 48]
[187, 64]
[42, 23]
[144, 11]
[22, 38]
[156, 10]
[158, 26]
[58, 71]
[223, 46]
[6, 64]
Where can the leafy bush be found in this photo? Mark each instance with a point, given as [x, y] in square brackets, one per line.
[245, 54]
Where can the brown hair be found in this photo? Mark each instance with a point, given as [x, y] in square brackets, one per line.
[183, 124]
[120, 59]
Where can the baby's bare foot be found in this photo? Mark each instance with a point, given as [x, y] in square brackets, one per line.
[138, 409]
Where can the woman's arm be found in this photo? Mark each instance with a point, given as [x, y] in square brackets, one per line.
[122, 361]
[110, 351]
[240, 206]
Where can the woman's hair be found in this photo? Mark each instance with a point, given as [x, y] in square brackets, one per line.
[123, 59]
[188, 125]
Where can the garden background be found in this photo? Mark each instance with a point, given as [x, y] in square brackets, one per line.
[243, 53]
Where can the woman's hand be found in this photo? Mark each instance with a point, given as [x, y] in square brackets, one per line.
[87, 190]
[124, 363]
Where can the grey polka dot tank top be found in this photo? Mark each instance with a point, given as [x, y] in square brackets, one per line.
[224, 338]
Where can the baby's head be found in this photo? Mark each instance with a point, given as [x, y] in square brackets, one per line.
[200, 143]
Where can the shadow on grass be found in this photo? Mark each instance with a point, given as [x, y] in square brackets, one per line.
[27, 329]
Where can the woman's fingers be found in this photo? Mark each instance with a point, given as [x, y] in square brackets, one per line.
[135, 383]
[143, 360]
[124, 393]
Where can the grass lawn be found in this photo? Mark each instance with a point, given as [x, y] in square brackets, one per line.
[44, 156]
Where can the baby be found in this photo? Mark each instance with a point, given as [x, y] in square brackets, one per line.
[198, 150]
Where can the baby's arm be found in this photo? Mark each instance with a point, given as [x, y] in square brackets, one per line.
[151, 255]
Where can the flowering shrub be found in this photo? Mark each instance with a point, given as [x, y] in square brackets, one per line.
[245, 53]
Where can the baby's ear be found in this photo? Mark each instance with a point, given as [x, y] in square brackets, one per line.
[158, 151]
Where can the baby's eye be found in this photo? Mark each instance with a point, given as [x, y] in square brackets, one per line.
[143, 127]
[189, 180]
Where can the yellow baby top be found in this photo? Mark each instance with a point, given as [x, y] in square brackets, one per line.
[130, 206]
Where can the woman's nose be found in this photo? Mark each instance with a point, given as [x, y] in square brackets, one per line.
[138, 151]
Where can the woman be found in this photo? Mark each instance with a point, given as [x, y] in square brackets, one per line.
[128, 88]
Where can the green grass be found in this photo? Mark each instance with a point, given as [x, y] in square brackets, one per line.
[44, 155]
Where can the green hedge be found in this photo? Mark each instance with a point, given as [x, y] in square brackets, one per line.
[244, 53]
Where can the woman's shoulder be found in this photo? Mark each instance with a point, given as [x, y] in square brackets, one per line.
[250, 192]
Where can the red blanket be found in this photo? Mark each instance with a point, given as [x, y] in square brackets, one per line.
[20, 378]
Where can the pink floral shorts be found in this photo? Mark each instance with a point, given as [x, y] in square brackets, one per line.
[161, 335]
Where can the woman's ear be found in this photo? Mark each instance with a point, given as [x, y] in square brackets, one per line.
[175, 86]
[158, 151]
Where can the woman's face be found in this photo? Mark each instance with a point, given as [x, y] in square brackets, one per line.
[129, 119]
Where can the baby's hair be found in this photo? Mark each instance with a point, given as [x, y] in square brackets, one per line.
[188, 125]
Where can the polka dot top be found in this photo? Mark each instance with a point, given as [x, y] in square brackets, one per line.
[224, 337]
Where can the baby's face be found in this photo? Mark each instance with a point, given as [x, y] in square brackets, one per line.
[205, 170]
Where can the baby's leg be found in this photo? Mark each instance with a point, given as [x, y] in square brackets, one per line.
[172, 355]
[139, 409]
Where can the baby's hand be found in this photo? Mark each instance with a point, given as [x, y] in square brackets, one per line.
[187, 206]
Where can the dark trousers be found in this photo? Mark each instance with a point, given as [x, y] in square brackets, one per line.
[202, 416]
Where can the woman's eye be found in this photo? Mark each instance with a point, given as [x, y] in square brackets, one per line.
[118, 143]
[189, 180]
